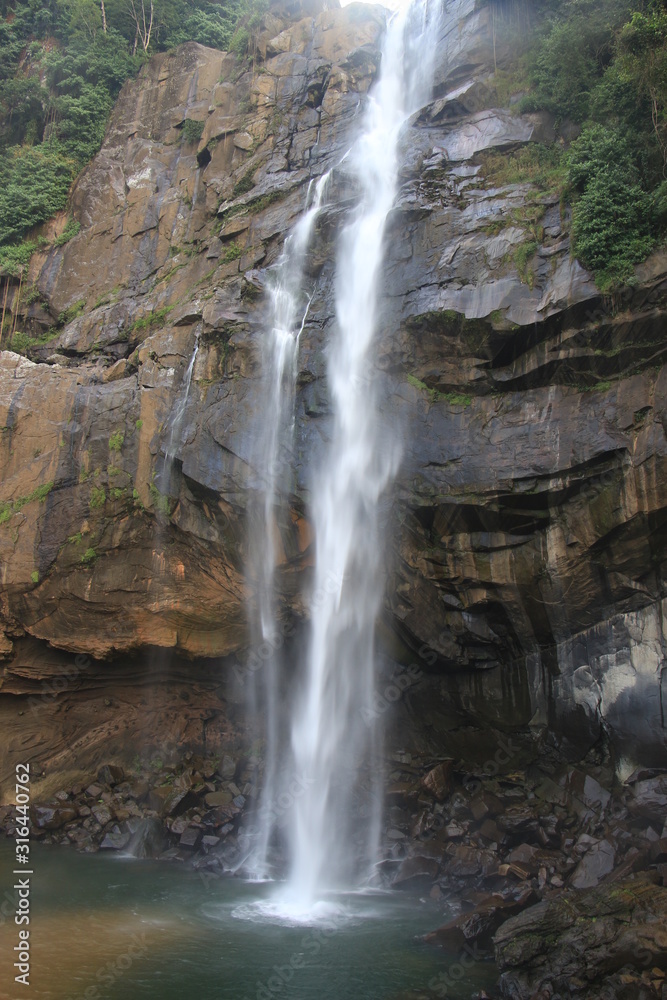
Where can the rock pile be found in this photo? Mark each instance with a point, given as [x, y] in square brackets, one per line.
[172, 812]
[558, 871]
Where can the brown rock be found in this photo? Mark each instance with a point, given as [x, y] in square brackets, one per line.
[51, 817]
[471, 861]
[595, 864]
[480, 924]
[190, 838]
[102, 814]
[597, 930]
[438, 781]
[110, 774]
[416, 873]
[221, 798]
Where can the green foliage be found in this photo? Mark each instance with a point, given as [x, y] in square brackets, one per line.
[535, 163]
[192, 130]
[139, 424]
[9, 507]
[34, 184]
[89, 556]
[245, 184]
[232, 252]
[71, 312]
[453, 398]
[522, 256]
[68, 233]
[154, 318]
[574, 46]
[643, 57]
[456, 398]
[34, 576]
[604, 66]
[240, 42]
[116, 440]
[61, 69]
[23, 343]
[15, 257]
[75, 539]
[417, 383]
[564, 71]
[611, 220]
[117, 493]
[162, 503]
[98, 497]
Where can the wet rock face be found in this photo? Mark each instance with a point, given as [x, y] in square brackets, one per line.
[578, 944]
[526, 530]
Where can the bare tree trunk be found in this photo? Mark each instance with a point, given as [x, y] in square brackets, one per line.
[150, 28]
[104, 16]
[143, 24]
[655, 118]
[493, 21]
[16, 311]
[4, 307]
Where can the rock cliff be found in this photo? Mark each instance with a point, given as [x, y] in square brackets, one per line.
[526, 531]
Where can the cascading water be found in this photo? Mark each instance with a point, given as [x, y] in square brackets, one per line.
[289, 310]
[174, 441]
[329, 735]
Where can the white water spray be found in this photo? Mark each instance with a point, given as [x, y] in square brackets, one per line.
[289, 311]
[330, 738]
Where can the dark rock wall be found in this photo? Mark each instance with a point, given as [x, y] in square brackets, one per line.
[525, 533]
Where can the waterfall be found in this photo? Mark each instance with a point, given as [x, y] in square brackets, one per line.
[174, 442]
[288, 310]
[329, 736]
[177, 421]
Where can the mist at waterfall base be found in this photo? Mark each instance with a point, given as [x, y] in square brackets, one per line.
[114, 928]
[333, 822]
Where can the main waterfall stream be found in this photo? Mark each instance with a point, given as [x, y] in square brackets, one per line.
[331, 742]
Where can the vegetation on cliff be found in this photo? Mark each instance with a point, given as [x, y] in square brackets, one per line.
[62, 64]
[601, 70]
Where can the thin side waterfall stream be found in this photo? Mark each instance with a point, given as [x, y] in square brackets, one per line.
[174, 442]
[330, 740]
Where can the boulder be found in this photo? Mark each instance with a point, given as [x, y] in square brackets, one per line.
[52, 816]
[438, 781]
[416, 873]
[585, 936]
[110, 774]
[595, 864]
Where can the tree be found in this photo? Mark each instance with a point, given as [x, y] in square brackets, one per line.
[84, 16]
[142, 13]
[611, 218]
[643, 48]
